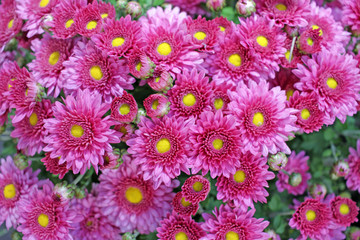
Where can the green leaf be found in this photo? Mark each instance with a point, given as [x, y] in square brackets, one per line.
[158, 2]
[275, 203]
[329, 134]
[228, 12]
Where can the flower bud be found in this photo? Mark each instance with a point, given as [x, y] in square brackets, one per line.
[21, 161]
[141, 112]
[295, 179]
[63, 191]
[245, 7]
[121, 4]
[134, 9]
[215, 5]
[341, 169]
[317, 190]
[277, 161]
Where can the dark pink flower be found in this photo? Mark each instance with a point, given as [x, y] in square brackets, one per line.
[183, 207]
[124, 108]
[195, 189]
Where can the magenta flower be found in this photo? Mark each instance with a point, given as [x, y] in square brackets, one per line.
[12, 23]
[220, 99]
[351, 15]
[78, 134]
[183, 207]
[88, 20]
[195, 189]
[344, 211]
[124, 108]
[156, 105]
[192, 7]
[52, 165]
[353, 178]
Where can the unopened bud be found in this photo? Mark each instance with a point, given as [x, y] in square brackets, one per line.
[317, 190]
[245, 7]
[21, 161]
[121, 4]
[215, 5]
[134, 9]
[341, 169]
[278, 161]
[295, 179]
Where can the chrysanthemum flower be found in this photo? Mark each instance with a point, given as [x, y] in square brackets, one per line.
[110, 160]
[63, 15]
[183, 207]
[310, 41]
[3, 118]
[248, 183]
[50, 54]
[295, 56]
[107, 10]
[89, 68]
[88, 20]
[314, 219]
[30, 131]
[267, 40]
[204, 33]
[297, 163]
[195, 189]
[161, 81]
[193, 7]
[215, 144]
[160, 148]
[93, 224]
[220, 99]
[309, 118]
[78, 134]
[265, 123]
[15, 186]
[36, 12]
[11, 22]
[132, 202]
[126, 129]
[223, 24]
[119, 37]
[8, 72]
[344, 211]
[351, 14]
[156, 105]
[52, 165]
[286, 80]
[179, 228]
[353, 178]
[332, 77]
[234, 223]
[191, 94]
[284, 12]
[140, 65]
[124, 108]
[44, 216]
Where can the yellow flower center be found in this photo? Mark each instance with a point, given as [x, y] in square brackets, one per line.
[197, 186]
[164, 49]
[155, 104]
[43, 220]
[262, 41]
[54, 58]
[138, 66]
[289, 94]
[77, 131]
[258, 119]
[310, 215]
[281, 7]
[123, 130]
[124, 109]
[344, 209]
[305, 114]
[116, 42]
[96, 73]
[33, 119]
[69, 23]
[218, 144]
[200, 35]
[26, 91]
[310, 42]
[11, 23]
[9, 191]
[287, 55]
[184, 202]
[218, 103]
[89, 223]
[44, 3]
[133, 195]
[181, 236]
[332, 83]
[235, 60]
[104, 15]
[317, 27]
[157, 79]
[189, 100]
[222, 28]
[91, 25]
[239, 176]
[163, 145]
[232, 236]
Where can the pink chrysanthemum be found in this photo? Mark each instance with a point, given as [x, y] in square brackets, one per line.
[314, 220]
[111, 160]
[179, 227]
[43, 215]
[126, 129]
[160, 148]
[63, 15]
[52, 165]
[88, 20]
[344, 211]
[351, 14]
[286, 80]
[89, 68]
[140, 65]
[161, 81]
[296, 164]
[309, 118]
[107, 10]
[11, 23]
[248, 183]
[8, 72]
[30, 131]
[78, 134]
[284, 12]
[234, 223]
[15, 186]
[267, 40]
[223, 24]
[156, 105]
[353, 178]
[183, 207]
[195, 189]
[130, 201]
[124, 108]
[36, 12]
[93, 224]
[265, 123]
[215, 144]
[309, 41]
[190, 95]
[50, 54]
[295, 56]
[192, 7]
[119, 38]
[332, 77]
[220, 99]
